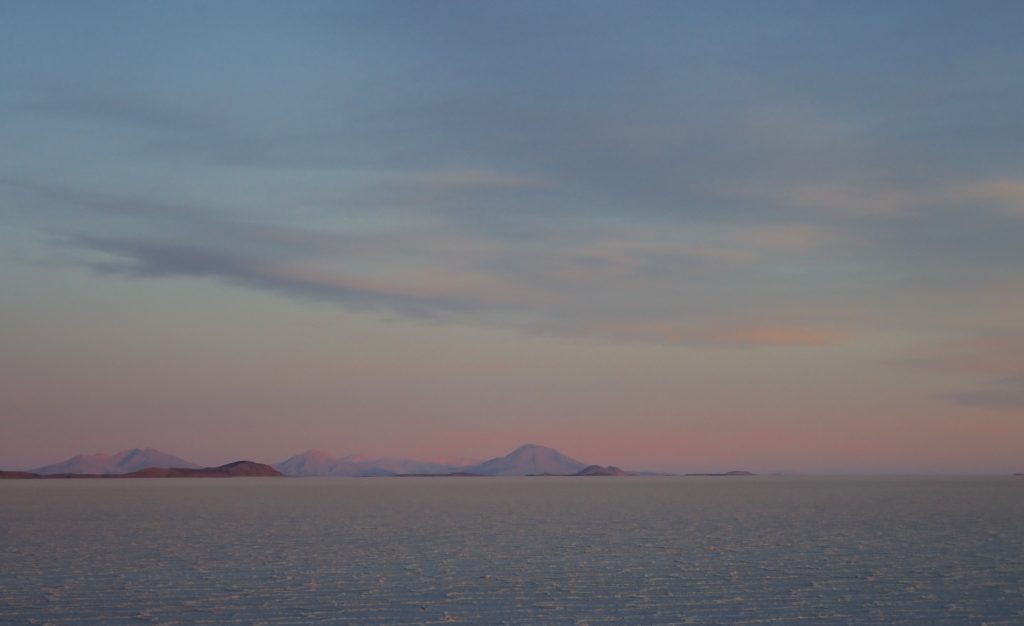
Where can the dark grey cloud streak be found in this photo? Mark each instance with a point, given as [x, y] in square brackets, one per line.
[1006, 393]
[138, 259]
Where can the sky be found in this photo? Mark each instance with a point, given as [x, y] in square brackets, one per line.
[776, 236]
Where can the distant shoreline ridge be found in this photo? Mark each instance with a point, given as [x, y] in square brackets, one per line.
[228, 470]
[526, 460]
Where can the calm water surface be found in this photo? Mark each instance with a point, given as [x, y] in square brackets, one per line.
[513, 551]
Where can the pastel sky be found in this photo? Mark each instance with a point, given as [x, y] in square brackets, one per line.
[777, 236]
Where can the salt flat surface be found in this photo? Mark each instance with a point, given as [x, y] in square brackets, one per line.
[513, 551]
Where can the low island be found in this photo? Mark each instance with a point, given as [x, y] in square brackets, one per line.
[228, 470]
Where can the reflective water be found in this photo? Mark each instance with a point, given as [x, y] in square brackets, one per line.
[517, 551]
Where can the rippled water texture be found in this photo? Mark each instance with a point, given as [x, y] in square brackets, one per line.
[518, 551]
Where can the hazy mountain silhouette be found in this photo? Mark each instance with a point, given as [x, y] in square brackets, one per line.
[316, 463]
[380, 467]
[124, 462]
[526, 460]
[320, 463]
[523, 461]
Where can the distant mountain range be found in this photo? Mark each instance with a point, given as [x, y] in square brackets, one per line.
[320, 463]
[526, 460]
[124, 462]
[523, 461]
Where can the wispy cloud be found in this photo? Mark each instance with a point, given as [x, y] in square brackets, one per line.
[604, 279]
[1001, 194]
[472, 178]
[1006, 393]
[778, 336]
[78, 104]
[720, 336]
[995, 353]
[456, 280]
[866, 198]
[50, 196]
[141, 259]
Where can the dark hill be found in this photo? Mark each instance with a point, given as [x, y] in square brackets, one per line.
[8, 474]
[599, 470]
[229, 470]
